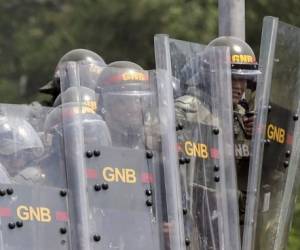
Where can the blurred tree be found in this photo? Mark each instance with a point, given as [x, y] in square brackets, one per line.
[41, 31]
[287, 11]
[36, 33]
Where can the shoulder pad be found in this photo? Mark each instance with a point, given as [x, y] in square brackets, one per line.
[187, 103]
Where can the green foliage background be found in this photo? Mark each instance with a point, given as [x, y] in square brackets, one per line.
[34, 34]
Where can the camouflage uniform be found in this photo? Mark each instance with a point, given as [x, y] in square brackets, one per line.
[242, 154]
[190, 109]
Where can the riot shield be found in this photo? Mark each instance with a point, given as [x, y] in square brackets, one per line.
[203, 109]
[274, 174]
[122, 160]
[34, 201]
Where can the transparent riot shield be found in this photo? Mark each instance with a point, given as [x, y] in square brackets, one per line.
[33, 190]
[201, 80]
[274, 175]
[122, 160]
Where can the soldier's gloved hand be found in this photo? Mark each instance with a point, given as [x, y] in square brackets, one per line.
[248, 123]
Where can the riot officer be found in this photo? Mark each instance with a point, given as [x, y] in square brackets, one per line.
[124, 100]
[20, 151]
[91, 65]
[244, 71]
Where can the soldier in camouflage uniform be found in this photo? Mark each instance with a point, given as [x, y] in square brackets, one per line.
[244, 69]
[193, 107]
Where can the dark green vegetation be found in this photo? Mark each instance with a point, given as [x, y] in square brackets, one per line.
[36, 33]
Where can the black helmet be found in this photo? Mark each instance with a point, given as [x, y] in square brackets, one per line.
[124, 94]
[20, 143]
[243, 60]
[17, 135]
[81, 95]
[70, 114]
[92, 65]
[123, 77]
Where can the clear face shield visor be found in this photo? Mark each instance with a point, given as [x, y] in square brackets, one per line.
[247, 74]
[128, 107]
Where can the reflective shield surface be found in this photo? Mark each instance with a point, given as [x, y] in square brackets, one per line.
[201, 80]
[34, 195]
[123, 148]
[273, 177]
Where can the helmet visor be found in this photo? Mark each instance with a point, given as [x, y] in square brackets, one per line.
[245, 74]
[128, 107]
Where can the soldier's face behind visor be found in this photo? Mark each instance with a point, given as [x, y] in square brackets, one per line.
[238, 88]
[128, 108]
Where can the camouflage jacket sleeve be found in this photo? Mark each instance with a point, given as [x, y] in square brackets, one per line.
[238, 125]
[191, 112]
[189, 109]
[241, 142]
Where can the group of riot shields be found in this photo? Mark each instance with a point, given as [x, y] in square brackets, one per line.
[96, 171]
[130, 159]
[203, 107]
